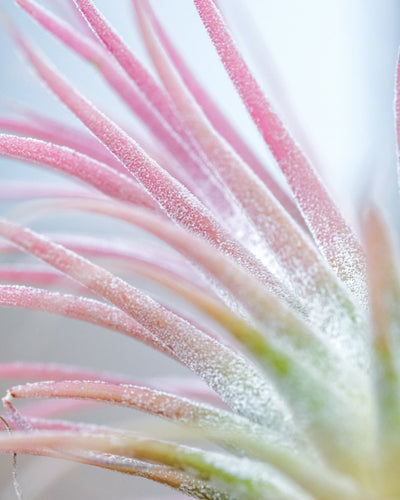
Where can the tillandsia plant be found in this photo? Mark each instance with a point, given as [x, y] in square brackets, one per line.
[296, 347]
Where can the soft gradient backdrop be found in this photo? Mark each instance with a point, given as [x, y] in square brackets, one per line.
[328, 67]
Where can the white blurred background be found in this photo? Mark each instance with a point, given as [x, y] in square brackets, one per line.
[328, 66]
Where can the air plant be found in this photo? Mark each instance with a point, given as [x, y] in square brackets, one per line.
[298, 336]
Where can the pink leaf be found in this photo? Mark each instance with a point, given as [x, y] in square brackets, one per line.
[300, 263]
[159, 100]
[170, 194]
[242, 285]
[94, 53]
[271, 76]
[119, 253]
[218, 119]
[152, 401]
[79, 445]
[98, 175]
[218, 425]
[50, 130]
[227, 373]
[48, 443]
[81, 308]
[278, 321]
[182, 282]
[335, 239]
[39, 371]
[270, 312]
[143, 79]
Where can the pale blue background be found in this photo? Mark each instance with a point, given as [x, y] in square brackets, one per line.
[336, 60]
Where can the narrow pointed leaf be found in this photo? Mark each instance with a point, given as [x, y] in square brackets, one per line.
[80, 308]
[218, 119]
[220, 426]
[300, 263]
[188, 388]
[239, 478]
[133, 67]
[227, 373]
[338, 243]
[304, 391]
[48, 129]
[114, 75]
[70, 162]
[266, 309]
[179, 203]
